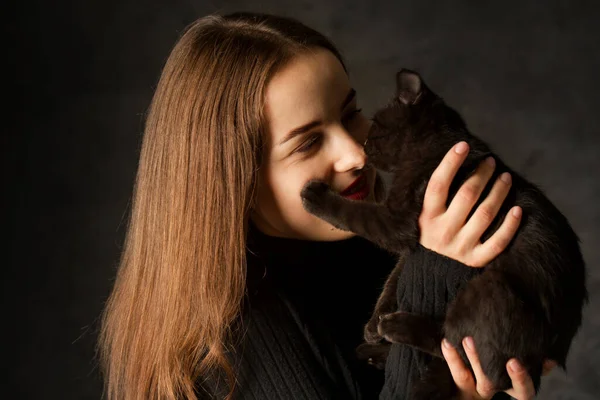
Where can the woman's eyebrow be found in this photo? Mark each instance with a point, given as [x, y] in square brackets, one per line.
[307, 127]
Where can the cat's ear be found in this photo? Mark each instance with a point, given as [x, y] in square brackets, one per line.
[408, 86]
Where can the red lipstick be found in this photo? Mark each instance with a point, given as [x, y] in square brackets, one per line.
[358, 190]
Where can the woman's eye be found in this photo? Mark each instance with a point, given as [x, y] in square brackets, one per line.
[315, 139]
[309, 144]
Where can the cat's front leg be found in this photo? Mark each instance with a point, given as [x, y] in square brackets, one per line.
[418, 331]
[320, 200]
[372, 221]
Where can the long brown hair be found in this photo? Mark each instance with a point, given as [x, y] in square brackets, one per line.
[181, 279]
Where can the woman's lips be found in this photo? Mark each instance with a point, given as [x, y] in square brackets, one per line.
[358, 190]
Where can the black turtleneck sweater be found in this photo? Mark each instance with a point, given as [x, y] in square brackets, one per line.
[306, 305]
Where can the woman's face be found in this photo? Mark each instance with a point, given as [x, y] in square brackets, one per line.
[314, 131]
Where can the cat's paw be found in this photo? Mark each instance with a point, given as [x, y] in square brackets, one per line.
[415, 330]
[393, 327]
[370, 332]
[313, 196]
[374, 353]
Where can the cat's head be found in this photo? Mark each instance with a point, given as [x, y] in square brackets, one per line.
[415, 115]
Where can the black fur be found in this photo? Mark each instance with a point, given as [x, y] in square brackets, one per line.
[527, 303]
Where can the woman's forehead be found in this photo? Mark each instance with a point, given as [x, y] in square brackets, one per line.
[311, 86]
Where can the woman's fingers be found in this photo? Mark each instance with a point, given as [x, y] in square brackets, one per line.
[468, 194]
[436, 194]
[522, 385]
[548, 366]
[491, 248]
[484, 387]
[481, 386]
[447, 232]
[487, 210]
[460, 373]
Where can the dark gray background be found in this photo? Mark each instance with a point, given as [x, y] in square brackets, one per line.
[522, 73]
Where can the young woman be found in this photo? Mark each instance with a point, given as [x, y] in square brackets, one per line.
[227, 286]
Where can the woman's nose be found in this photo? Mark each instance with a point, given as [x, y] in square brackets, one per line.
[351, 155]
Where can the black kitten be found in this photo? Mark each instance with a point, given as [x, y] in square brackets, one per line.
[536, 286]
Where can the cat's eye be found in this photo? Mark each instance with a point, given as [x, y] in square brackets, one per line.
[351, 115]
[376, 121]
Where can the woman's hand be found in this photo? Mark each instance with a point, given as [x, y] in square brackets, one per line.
[480, 387]
[445, 231]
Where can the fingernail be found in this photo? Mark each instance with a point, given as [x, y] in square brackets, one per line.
[461, 147]
[515, 366]
[446, 344]
[490, 161]
[516, 212]
[468, 342]
[505, 177]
